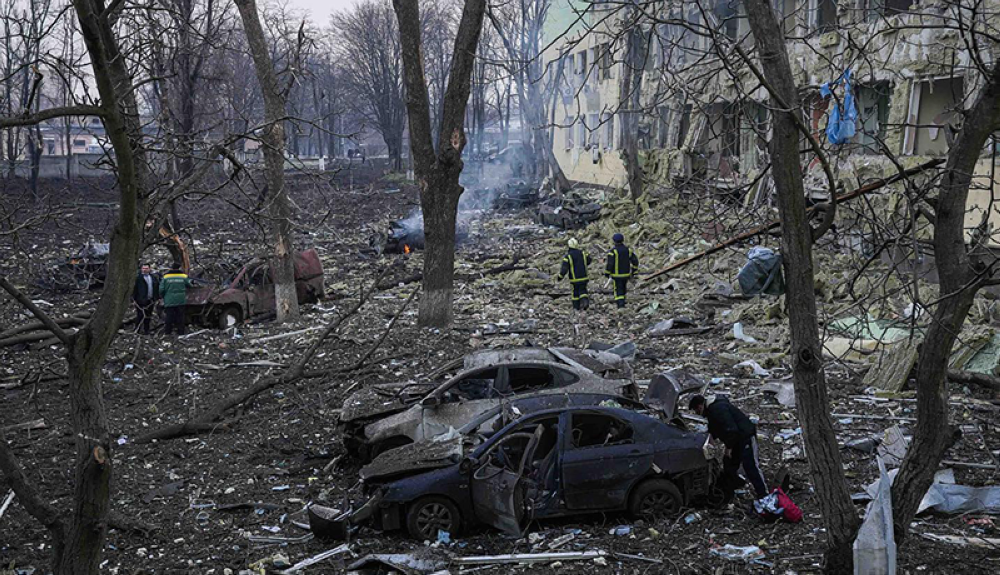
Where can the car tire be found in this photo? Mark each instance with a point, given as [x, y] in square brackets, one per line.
[376, 449]
[230, 316]
[655, 498]
[428, 515]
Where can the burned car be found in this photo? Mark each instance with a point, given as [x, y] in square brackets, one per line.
[552, 463]
[384, 416]
[515, 195]
[570, 212]
[251, 292]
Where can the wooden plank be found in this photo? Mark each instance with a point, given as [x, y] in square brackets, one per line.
[527, 558]
[36, 424]
[893, 370]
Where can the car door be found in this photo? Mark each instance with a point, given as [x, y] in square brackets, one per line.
[498, 485]
[602, 458]
[460, 400]
[261, 291]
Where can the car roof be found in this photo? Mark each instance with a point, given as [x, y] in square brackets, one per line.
[584, 399]
[520, 363]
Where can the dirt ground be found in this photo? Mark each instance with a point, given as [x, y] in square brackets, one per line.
[276, 449]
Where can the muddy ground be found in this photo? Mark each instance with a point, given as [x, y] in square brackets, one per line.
[278, 448]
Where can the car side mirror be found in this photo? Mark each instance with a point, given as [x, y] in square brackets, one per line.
[430, 401]
[466, 466]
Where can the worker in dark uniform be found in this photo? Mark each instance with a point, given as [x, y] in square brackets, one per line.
[728, 424]
[622, 265]
[574, 266]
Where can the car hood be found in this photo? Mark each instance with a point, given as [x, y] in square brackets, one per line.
[413, 459]
[383, 399]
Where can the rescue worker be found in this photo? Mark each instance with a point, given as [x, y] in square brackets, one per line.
[173, 289]
[574, 265]
[622, 265]
[738, 433]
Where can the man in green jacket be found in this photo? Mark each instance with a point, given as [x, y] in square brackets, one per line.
[173, 290]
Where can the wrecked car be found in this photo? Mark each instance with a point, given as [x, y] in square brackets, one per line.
[251, 292]
[569, 213]
[515, 195]
[552, 463]
[385, 416]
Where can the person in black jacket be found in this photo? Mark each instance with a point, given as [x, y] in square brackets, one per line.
[574, 265]
[622, 264]
[738, 433]
[144, 296]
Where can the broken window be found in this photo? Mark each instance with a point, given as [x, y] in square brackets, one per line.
[933, 116]
[786, 11]
[873, 115]
[524, 379]
[753, 134]
[598, 429]
[608, 138]
[594, 135]
[685, 125]
[568, 132]
[478, 385]
[606, 61]
[581, 62]
[875, 9]
[581, 133]
[726, 12]
[824, 14]
[79, 143]
[663, 125]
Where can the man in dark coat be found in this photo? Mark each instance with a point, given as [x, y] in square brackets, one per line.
[144, 296]
[622, 264]
[574, 266]
[738, 433]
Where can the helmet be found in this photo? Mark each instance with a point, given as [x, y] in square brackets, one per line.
[573, 244]
[618, 238]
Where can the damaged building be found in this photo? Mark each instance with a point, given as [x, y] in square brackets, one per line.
[704, 118]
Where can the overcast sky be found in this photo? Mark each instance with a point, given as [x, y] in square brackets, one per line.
[320, 10]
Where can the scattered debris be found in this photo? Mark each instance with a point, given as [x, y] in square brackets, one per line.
[730, 552]
[316, 559]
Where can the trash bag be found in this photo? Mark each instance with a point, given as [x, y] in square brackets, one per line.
[844, 117]
[762, 273]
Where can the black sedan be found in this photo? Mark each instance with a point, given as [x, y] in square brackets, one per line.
[558, 462]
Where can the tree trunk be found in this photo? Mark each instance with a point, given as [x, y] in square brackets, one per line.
[631, 84]
[279, 208]
[438, 170]
[839, 515]
[960, 279]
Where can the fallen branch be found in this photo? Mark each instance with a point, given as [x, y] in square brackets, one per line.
[288, 335]
[972, 378]
[877, 184]
[381, 339]
[35, 310]
[38, 508]
[76, 319]
[27, 425]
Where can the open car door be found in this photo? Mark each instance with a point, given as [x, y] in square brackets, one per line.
[499, 485]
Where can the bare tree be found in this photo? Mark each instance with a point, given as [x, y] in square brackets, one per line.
[369, 50]
[520, 25]
[78, 536]
[438, 169]
[273, 139]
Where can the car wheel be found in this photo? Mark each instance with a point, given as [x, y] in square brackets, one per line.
[376, 449]
[230, 317]
[432, 514]
[656, 498]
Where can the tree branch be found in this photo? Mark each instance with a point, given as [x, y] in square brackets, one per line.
[26, 495]
[35, 310]
[50, 114]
